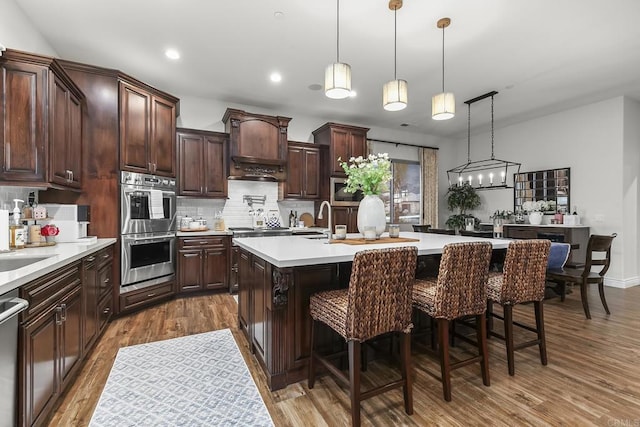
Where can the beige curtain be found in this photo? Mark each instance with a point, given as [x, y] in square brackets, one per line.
[429, 167]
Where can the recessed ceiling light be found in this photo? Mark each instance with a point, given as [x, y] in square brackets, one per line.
[315, 86]
[278, 14]
[353, 94]
[172, 54]
[404, 125]
[275, 77]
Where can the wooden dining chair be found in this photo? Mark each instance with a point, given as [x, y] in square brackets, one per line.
[600, 246]
[378, 301]
[522, 281]
[458, 291]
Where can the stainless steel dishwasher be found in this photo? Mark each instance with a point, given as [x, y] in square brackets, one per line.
[10, 307]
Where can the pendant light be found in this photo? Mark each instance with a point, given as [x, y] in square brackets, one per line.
[337, 77]
[443, 105]
[395, 92]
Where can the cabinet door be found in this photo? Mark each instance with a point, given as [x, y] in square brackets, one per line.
[215, 268]
[341, 215]
[58, 132]
[22, 137]
[340, 148]
[311, 174]
[74, 146]
[233, 269]
[257, 138]
[260, 283]
[189, 270]
[357, 144]
[163, 137]
[352, 222]
[135, 108]
[70, 343]
[91, 294]
[244, 293]
[191, 165]
[39, 368]
[295, 180]
[215, 161]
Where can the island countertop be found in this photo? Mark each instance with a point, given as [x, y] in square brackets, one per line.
[52, 258]
[295, 251]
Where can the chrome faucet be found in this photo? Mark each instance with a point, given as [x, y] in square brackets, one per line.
[328, 232]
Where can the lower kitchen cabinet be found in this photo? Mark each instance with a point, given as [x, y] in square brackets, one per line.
[64, 319]
[233, 269]
[133, 300]
[203, 263]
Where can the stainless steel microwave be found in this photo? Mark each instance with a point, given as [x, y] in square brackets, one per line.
[339, 197]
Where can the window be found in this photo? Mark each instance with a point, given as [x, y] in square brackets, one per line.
[402, 202]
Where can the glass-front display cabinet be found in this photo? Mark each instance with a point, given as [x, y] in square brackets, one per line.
[551, 186]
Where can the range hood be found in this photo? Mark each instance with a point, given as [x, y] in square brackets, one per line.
[258, 145]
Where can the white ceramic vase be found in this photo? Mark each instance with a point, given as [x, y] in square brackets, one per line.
[371, 213]
[535, 218]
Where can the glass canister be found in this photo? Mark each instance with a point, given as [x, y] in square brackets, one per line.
[394, 230]
[498, 224]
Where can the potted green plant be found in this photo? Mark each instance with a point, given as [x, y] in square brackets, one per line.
[461, 198]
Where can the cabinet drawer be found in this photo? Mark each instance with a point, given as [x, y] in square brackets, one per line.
[520, 232]
[105, 281]
[141, 297]
[105, 256]
[105, 310]
[47, 290]
[197, 242]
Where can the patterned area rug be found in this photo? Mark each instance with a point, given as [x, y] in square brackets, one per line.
[198, 380]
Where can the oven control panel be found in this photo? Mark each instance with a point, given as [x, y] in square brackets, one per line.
[145, 180]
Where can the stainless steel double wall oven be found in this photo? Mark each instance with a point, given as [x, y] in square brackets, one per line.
[148, 229]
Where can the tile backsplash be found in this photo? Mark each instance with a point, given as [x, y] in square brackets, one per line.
[235, 211]
[8, 193]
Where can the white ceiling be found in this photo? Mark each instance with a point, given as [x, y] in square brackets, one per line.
[542, 56]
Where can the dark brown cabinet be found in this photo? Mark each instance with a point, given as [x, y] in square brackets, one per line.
[233, 268]
[147, 130]
[65, 135]
[203, 263]
[345, 215]
[202, 163]
[50, 339]
[41, 122]
[97, 294]
[303, 172]
[258, 145]
[344, 142]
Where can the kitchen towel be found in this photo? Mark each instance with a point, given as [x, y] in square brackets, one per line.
[156, 211]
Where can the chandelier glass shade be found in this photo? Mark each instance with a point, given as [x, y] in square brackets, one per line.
[443, 106]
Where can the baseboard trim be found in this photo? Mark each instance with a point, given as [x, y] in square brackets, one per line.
[622, 283]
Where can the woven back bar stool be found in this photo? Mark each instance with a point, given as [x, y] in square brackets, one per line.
[522, 280]
[378, 301]
[458, 291]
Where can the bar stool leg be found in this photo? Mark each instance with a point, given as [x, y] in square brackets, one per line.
[508, 337]
[354, 380]
[445, 365]
[405, 357]
[481, 332]
[542, 341]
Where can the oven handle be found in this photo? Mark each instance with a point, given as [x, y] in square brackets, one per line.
[148, 239]
[17, 305]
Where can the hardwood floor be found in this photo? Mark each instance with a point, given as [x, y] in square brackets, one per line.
[593, 375]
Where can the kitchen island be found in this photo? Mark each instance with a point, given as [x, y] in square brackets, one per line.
[277, 276]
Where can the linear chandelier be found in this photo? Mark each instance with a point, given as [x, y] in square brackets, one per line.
[485, 174]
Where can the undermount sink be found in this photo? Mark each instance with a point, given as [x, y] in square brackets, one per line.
[14, 263]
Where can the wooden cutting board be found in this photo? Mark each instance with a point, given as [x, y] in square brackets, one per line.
[362, 241]
[307, 218]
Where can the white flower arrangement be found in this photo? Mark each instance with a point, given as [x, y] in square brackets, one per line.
[368, 174]
[539, 206]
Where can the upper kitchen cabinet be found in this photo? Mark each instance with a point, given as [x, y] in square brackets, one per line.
[258, 145]
[344, 142]
[303, 172]
[41, 113]
[202, 163]
[147, 129]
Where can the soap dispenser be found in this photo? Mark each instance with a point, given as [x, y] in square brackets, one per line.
[16, 230]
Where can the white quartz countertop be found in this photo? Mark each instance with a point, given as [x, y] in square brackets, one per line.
[203, 233]
[56, 257]
[294, 251]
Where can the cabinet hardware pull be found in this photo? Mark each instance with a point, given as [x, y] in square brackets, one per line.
[106, 280]
[64, 312]
[150, 166]
[91, 259]
[58, 316]
[152, 294]
[71, 176]
[106, 310]
[105, 256]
